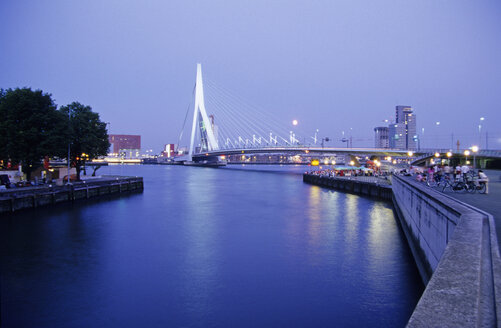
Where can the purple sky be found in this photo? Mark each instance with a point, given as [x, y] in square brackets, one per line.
[330, 64]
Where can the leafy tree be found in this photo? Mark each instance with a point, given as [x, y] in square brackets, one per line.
[30, 128]
[88, 135]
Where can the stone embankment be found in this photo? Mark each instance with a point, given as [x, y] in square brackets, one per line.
[16, 199]
[368, 186]
[455, 248]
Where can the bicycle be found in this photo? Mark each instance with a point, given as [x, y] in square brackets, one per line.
[447, 184]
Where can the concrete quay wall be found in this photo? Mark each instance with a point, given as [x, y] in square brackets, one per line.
[18, 199]
[373, 189]
[455, 248]
[457, 252]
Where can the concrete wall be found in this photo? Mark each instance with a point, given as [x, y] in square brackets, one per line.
[457, 251]
[351, 185]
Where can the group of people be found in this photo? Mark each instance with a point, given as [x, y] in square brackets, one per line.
[343, 173]
[436, 172]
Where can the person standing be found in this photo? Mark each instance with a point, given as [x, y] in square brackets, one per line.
[483, 178]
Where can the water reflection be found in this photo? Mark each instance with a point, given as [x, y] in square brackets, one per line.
[207, 247]
[200, 247]
[351, 217]
[314, 216]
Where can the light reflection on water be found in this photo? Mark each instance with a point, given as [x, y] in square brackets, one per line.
[208, 247]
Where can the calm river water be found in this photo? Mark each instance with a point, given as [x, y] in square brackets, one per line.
[206, 247]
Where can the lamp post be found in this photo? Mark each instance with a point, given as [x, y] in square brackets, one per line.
[422, 137]
[449, 155]
[466, 154]
[437, 124]
[69, 143]
[480, 131]
[325, 139]
[474, 149]
[410, 154]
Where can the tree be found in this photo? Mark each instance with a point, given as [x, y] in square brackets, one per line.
[30, 128]
[88, 135]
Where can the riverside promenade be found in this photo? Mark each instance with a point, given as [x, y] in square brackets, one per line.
[16, 199]
[490, 203]
[455, 247]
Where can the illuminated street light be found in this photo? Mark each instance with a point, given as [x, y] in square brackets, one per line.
[410, 153]
[295, 122]
[437, 154]
[480, 131]
[352, 163]
[474, 149]
[467, 153]
[449, 154]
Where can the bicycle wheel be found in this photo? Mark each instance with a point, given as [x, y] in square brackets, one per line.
[459, 187]
[482, 188]
[471, 187]
[448, 187]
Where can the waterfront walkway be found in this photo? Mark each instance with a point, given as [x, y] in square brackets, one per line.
[15, 199]
[490, 203]
[380, 180]
[52, 187]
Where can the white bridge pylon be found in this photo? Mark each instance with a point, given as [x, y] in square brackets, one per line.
[200, 118]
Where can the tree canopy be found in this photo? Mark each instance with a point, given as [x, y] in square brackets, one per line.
[30, 128]
[88, 135]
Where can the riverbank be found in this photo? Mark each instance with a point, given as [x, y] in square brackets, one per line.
[455, 248]
[16, 199]
[378, 187]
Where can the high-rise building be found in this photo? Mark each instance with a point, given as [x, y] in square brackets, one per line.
[381, 137]
[402, 133]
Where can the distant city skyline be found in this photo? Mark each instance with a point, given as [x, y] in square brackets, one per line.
[333, 66]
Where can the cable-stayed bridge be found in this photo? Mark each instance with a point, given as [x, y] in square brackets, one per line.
[223, 125]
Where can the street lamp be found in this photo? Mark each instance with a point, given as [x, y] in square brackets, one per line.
[474, 149]
[480, 131]
[410, 154]
[69, 144]
[466, 154]
[437, 124]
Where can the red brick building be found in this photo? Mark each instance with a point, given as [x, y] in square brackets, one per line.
[124, 141]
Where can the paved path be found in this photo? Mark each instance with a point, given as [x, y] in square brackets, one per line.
[89, 181]
[490, 203]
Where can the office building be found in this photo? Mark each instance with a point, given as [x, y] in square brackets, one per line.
[381, 137]
[402, 133]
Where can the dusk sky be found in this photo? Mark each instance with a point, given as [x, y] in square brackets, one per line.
[332, 65]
